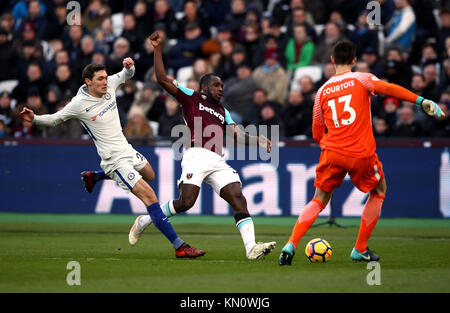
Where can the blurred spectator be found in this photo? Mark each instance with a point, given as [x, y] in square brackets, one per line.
[329, 37]
[26, 130]
[20, 12]
[60, 57]
[87, 46]
[215, 11]
[94, 15]
[200, 68]
[98, 58]
[73, 44]
[251, 114]
[397, 70]
[328, 71]
[170, 118]
[7, 23]
[402, 25]
[364, 37]
[121, 50]
[418, 84]
[337, 18]
[426, 27]
[129, 32]
[164, 15]
[318, 10]
[297, 115]
[442, 124]
[362, 67]
[387, 9]
[443, 32]
[349, 9]
[381, 128]
[299, 49]
[407, 126]
[33, 79]
[145, 98]
[144, 17]
[253, 44]
[137, 126]
[238, 91]
[104, 37]
[299, 17]
[125, 99]
[54, 98]
[224, 68]
[306, 84]
[429, 56]
[7, 55]
[64, 81]
[192, 15]
[445, 76]
[268, 117]
[6, 110]
[57, 23]
[144, 60]
[272, 77]
[188, 48]
[236, 18]
[431, 90]
[37, 19]
[390, 107]
[280, 36]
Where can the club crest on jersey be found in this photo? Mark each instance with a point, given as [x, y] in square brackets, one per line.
[107, 96]
[189, 175]
[131, 176]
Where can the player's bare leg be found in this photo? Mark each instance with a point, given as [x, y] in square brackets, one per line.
[232, 193]
[369, 218]
[142, 221]
[307, 217]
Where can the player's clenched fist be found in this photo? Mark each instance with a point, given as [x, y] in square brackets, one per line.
[128, 62]
[27, 115]
[155, 39]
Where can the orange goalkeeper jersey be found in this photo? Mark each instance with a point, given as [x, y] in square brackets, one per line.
[342, 104]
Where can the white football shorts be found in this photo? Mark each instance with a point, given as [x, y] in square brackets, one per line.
[200, 164]
[125, 168]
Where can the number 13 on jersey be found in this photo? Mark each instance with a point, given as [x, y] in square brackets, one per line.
[347, 108]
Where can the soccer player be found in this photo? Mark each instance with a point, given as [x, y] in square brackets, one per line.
[202, 162]
[342, 105]
[96, 108]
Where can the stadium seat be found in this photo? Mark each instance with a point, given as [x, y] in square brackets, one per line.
[314, 71]
[117, 23]
[8, 85]
[184, 74]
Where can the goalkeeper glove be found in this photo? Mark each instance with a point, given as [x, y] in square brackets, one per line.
[430, 107]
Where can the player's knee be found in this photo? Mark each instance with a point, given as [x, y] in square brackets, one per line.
[186, 204]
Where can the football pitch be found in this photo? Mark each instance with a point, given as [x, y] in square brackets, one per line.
[35, 250]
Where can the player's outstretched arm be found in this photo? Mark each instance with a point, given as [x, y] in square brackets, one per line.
[241, 136]
[51, 120]
[165, 81]
[394, 90]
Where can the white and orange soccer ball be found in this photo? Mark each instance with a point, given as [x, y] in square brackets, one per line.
[318, 250]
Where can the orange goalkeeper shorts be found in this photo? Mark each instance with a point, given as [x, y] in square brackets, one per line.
[365, 173]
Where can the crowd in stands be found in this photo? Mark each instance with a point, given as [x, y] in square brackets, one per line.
[272, 55]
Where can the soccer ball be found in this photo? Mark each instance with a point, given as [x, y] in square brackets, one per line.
[318, 250]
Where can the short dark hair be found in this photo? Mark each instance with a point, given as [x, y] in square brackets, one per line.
[205, 79]
[344, 52]
[89, 70]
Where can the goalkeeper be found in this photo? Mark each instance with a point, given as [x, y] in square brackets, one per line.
[342, 106]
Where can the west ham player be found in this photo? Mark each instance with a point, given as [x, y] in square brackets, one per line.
[342, 105]
[96, 108]
[202, 162]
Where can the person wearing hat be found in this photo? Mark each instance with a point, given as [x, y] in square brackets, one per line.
[272, 77]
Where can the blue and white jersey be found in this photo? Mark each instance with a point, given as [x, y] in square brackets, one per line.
[99, 116]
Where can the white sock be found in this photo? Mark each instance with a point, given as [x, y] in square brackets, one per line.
[168, 209]
[247, 229]
[145, 221]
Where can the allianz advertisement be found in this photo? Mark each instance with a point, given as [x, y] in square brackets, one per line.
[46, 179]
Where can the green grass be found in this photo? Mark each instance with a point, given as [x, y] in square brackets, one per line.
[35, 250]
